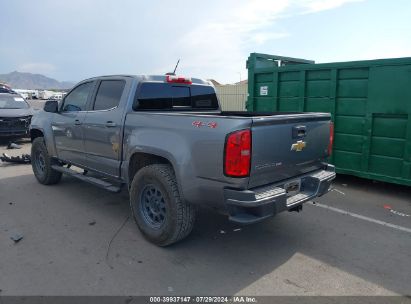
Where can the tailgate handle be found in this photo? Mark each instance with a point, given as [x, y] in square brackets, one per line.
[299, 131]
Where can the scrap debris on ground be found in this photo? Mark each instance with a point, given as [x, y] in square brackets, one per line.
[23, 159]
[388, 207]
[13, 145]
[17, 237]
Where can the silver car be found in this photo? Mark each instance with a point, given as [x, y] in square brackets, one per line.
[15, 115]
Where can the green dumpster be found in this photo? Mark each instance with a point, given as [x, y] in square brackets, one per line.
[370, 104]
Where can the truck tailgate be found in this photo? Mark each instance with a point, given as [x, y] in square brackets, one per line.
[286, 146]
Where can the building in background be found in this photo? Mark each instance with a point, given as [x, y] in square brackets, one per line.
[232, 96]
[47, 94]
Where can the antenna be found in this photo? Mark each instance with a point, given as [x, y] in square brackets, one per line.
[178, 61]
[174, 72]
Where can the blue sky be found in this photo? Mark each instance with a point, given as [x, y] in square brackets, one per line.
[73, 40]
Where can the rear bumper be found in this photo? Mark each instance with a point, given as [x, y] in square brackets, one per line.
[254, 205]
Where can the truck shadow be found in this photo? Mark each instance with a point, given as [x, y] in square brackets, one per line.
[218, 258]
[4, 141]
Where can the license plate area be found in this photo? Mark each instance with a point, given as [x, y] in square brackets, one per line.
[293, 187]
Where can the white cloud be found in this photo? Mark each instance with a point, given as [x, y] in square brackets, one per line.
[391, 48]
[312, 6]
[263, 37]
[37, 67]
[213, 39]
[219, 46]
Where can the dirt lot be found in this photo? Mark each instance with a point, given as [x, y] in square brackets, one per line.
[354, 241]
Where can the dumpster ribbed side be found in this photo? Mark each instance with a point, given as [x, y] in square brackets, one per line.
[370, 103]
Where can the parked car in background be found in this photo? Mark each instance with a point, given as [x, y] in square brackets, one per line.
[15, 115]
[45, 94]
[28, 93]
[56, 97]
[4, 88]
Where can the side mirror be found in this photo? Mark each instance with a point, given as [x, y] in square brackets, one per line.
[51, 106]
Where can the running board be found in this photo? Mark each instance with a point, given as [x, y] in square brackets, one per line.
[92, 180]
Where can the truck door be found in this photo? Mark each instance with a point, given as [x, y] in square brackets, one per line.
[103, 129]
[66, 124]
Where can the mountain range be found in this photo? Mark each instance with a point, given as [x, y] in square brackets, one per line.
[18, 80]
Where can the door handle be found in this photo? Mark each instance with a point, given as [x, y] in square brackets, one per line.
[110, 124]
[77, 122]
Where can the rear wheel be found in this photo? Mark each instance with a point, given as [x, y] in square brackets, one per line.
[160, 213]
[41, 163]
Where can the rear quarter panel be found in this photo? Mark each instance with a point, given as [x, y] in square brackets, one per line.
[192, 145]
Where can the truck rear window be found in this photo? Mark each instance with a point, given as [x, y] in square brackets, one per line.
[165, 96]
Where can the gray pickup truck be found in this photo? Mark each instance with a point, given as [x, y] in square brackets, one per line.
[166, 139]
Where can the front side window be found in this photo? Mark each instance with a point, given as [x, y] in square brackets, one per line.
[109, 94]
[77, 99]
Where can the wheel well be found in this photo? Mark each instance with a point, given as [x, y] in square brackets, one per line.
[139, 160]
[34, 133]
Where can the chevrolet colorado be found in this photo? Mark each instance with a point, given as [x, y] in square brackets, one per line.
[166, 139]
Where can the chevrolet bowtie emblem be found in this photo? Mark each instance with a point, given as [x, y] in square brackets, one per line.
[298, 146]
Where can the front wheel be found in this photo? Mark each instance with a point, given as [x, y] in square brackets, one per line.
[160, 213]
[41, 163]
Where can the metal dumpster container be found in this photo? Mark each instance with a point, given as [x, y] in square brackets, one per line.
[370, 104]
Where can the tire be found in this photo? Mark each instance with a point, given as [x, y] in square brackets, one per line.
[41, 163]
[157, 207]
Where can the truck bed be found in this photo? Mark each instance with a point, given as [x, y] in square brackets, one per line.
[272, 160]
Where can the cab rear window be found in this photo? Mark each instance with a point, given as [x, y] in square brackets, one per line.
[165, 96]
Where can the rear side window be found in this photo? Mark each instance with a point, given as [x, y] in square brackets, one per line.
[165, 96]
[109, 94]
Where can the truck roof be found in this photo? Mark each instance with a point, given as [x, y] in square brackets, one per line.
[150, 78]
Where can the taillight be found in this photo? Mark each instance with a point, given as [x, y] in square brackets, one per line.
[238, 154]
[330, 144]
[178, 79]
